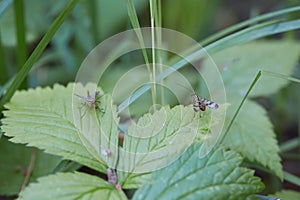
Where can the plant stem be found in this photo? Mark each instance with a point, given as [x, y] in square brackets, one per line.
[30, 168]
[21, 36]
[153, 54]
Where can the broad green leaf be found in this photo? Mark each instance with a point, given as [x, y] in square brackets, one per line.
[288, 194]
[159, 139]
[15, 159]
[240, 64]
[98, 130]
[216, 176]
[252, 135]
[44, 118]
[71, 186]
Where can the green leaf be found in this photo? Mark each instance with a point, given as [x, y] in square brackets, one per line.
[154, 142]
[252, 135]
[288, 194]
[97, 130]
[15, 159]
[44, 118]
[160, 138]
[240, 64]
[216, 176]
[71, 186]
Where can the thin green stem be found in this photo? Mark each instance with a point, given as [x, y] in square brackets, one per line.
[241, 104]
[260, 72]
[158, 22]
[136, 25]
[282, 76]
[37, 53]
[21, 35]
[92, 7]
[30, 168]
[153, 52]
[3, 75]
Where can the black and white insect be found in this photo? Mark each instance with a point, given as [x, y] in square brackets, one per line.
[200, 103]
[91, 101]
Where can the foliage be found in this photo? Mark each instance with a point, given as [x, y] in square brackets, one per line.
[220, 175]
[159, 155]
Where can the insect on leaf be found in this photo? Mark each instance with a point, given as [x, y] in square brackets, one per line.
[47, 119]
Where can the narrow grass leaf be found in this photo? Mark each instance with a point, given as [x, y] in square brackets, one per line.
[20, 32]
[291, 178]
[37, 53]
[239, 37]
[248, 22]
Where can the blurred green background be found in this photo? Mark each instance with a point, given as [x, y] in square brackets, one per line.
[93, 21]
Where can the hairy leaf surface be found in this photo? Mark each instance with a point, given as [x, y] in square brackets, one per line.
[216, 176]
[71, 186]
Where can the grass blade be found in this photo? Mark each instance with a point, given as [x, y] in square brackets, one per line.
[37, 53]
[289, 145]
[4, 5]
[241, 104]
[21, 35]
[253, 33]
[249, 22]
[92, 10]
[243, 36]
[3, 69]
[261, 72]
[291, 178]
[136, 25]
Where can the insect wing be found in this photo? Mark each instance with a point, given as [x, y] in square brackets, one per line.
[197, 103]
[209, 103]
